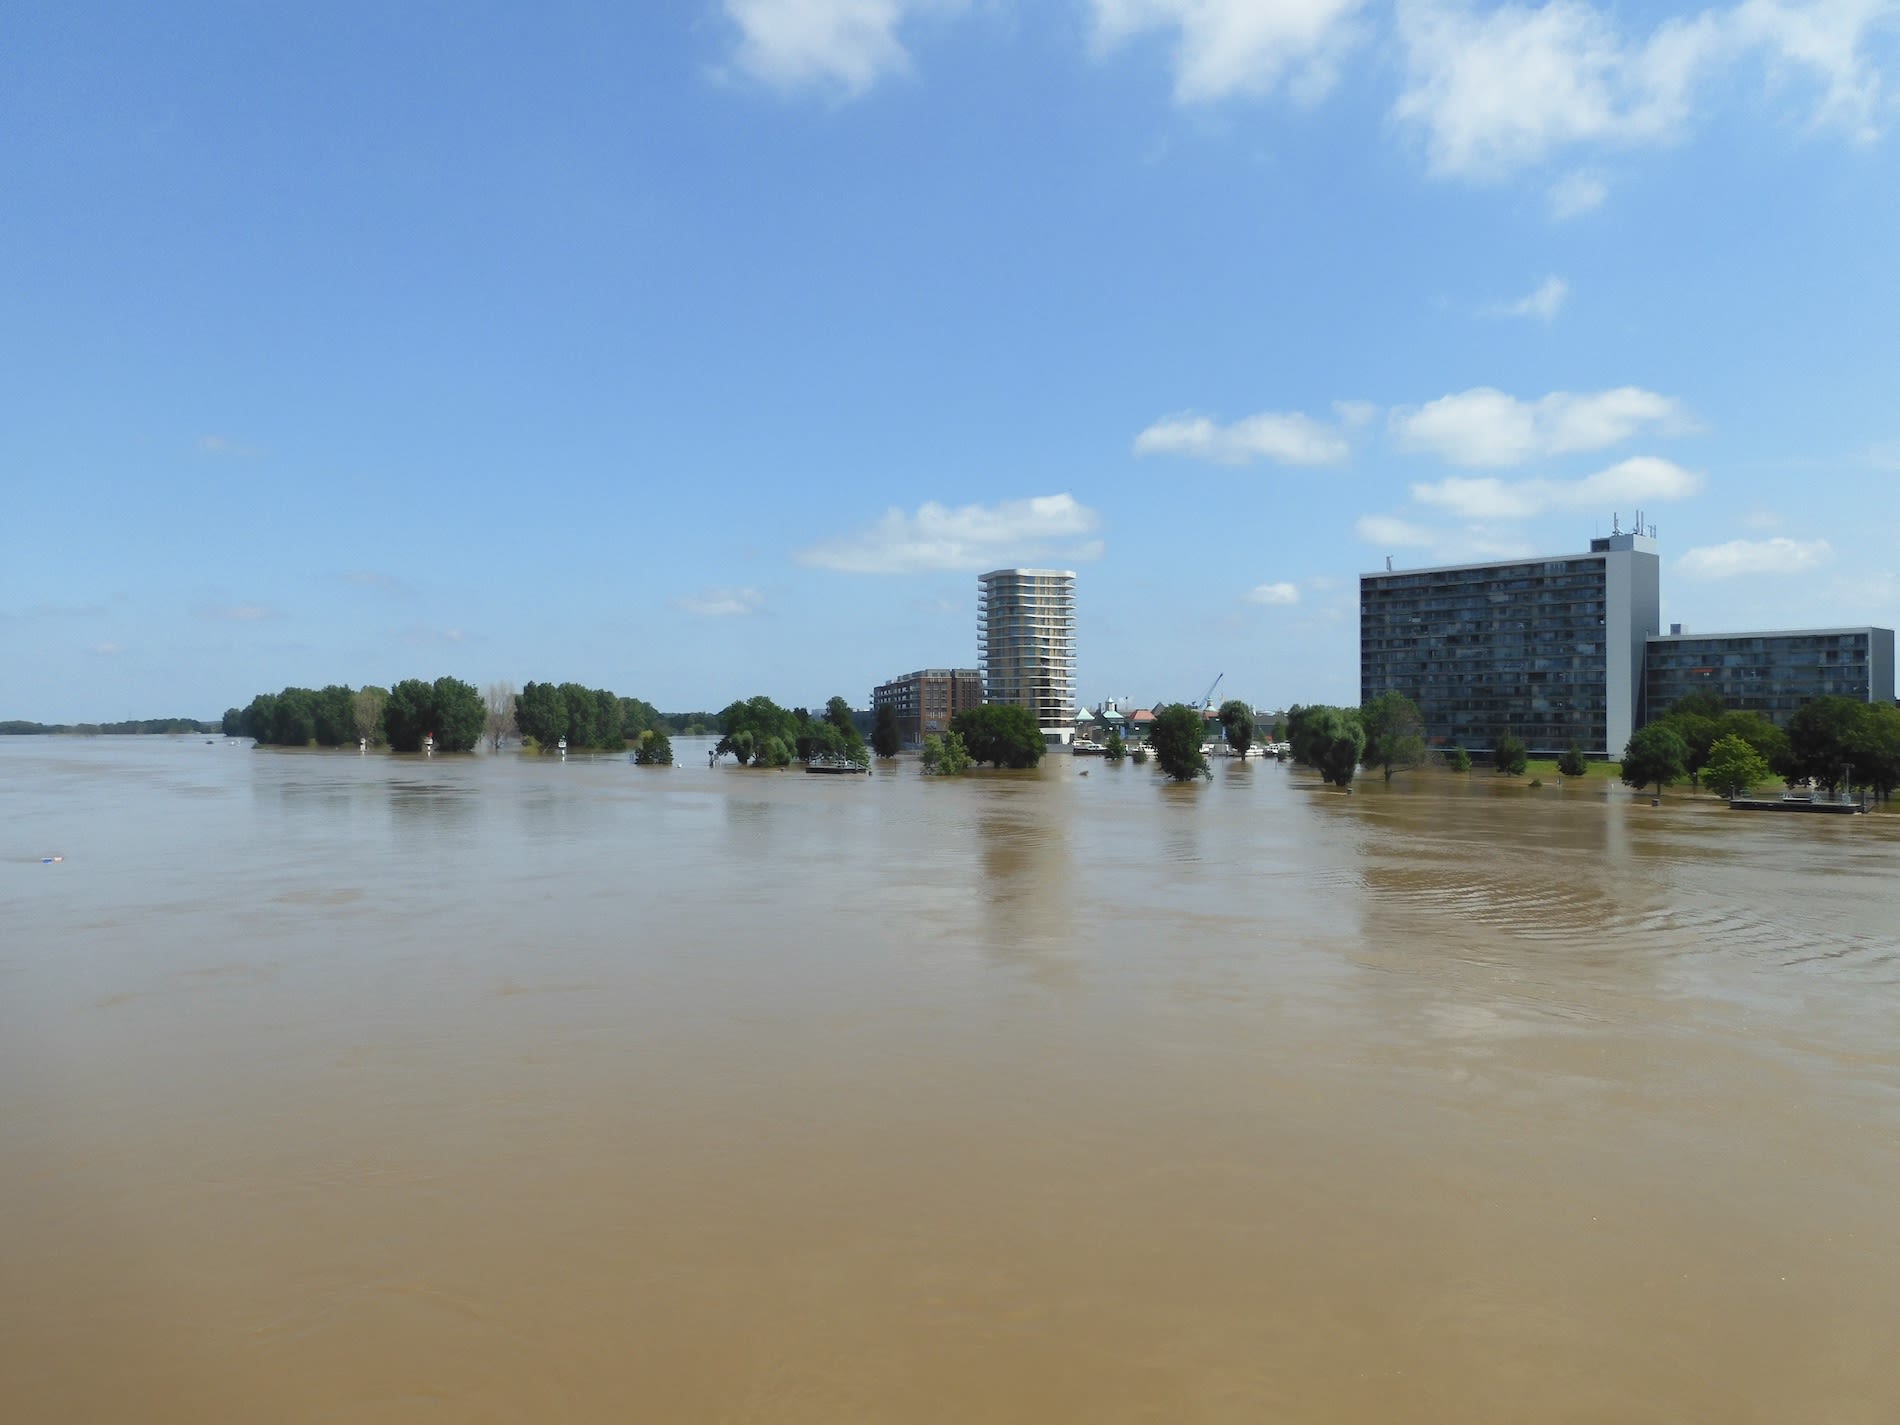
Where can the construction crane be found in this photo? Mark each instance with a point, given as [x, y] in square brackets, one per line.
[1208, 696]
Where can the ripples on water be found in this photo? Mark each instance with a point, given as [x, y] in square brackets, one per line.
[377, 1088]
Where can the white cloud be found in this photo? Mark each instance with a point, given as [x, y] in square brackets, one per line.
[1575, 194]
[1640, 480]
[1226, 48]
[1779, 555]
[1281, 593]
[1484, 426]
[224, 445]
[235, 613]
[843, 45]
[722, 603]
[1286, 437]
[969, 538]
[1393, 533]
[1354, 414]
[1543, 304]
[1497, 90]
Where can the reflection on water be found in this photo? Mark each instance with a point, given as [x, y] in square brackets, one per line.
[340, 1088]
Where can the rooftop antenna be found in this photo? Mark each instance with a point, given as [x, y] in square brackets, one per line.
[1616, 523]
[1388, 564]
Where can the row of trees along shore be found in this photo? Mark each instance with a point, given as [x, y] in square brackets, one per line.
[1833, 742]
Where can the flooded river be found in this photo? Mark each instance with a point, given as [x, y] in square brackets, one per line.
[339, 1089]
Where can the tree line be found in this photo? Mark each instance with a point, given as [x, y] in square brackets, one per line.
[338, 715]
[544, 713]
[759, 733]
[150, 725]
[1832, 742]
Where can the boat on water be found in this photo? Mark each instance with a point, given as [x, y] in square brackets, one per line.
[1081, 747]
[1799, 801]
[836, 766]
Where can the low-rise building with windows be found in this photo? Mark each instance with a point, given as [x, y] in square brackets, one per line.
[1771, 673]
[926, 700]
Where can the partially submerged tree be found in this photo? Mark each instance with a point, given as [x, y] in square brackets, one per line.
[1733, 767]
[1395, 733]
[1236, 720]
[1656, 754]
[448, 709]
[653, 749]
[1001, 734]
[945, 756]
[1457, 759]
[499, 698]
[1336, 743]
[1175, 737]
[1508, 756]
[1113, 748]
[885, 738]
[1571, 764]
[366, 713]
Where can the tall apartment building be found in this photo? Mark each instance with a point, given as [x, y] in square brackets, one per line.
[1770, 673]
[1550, 650]
[1026, 644]
[927, 699]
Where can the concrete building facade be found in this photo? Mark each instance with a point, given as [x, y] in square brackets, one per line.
[1771, 673]
[926, 700]
[1026, 644]
[1549, 649]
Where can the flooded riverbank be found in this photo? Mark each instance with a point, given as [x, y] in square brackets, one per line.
[338, 1088]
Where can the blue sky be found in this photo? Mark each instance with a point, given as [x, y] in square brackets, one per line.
[709, 348]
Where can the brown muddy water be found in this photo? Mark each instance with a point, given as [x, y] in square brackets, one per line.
[371, 1089]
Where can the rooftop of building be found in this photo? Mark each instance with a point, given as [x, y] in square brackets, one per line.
[1620, 542]
[1691, 637]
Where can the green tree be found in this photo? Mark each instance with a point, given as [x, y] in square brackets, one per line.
[1757, 731]
[1336, 743]
[408, 716]
[233, 724]
[761, 720]
[1236, 720]
[1571, 764]
[885, 737]
[1734, 766]
[1140, 755]
[295, 723]
[1655, 754]
[1457, 759]
[1114, 749]
[1395, 733]
[1873, 749]
[458, 713]
[334, 722]
[1822, 741]
[540, 714]
[1001, 734]
[1175, 737]
[653, 749]
[773, 752]
[838, 714]
[946, 756]
[366, 713]
[1508, 756]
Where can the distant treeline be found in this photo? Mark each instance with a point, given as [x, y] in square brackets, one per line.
[109, 729]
